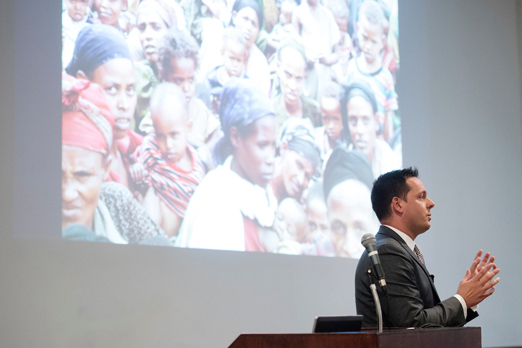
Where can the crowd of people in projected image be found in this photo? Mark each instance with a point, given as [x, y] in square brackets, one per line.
[248, 125]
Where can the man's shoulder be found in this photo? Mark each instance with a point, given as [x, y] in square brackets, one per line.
[389, 241]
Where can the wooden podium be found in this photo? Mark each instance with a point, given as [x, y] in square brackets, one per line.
[458, 337]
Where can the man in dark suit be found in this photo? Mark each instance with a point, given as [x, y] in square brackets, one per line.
[401, 204]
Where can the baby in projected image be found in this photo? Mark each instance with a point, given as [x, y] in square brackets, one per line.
[174, 167]
[179, 60]
[291, 226]
[234, 54]
[344, 48]
[368, 65]
[361, 124]
[284, 27]
[347, 183]
[319, 32]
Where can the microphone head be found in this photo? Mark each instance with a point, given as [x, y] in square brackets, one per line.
[368, 239]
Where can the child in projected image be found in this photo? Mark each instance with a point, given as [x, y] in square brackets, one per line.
[317, 215]
[178, 61]
[368, 65]
[174, 167]
[74, 18]
[330, 133]
[284, 27]
[361, 124]
[234, 54]
[291, 226]
[344, 48]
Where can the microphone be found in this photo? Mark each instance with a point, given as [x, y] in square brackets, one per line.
[368, 241]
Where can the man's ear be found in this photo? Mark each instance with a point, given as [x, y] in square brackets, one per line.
[397, 205]
[81, 75]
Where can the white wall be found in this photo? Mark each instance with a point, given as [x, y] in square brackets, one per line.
[461, 101]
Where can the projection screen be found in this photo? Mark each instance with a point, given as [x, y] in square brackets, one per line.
[236, 125]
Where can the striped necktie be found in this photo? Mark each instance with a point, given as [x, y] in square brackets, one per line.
[418, 252]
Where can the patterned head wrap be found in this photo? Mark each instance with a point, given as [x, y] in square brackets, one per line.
[298, 134]
[87, 120]
[95, 45]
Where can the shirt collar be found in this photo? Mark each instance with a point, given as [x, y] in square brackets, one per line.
[407, 239]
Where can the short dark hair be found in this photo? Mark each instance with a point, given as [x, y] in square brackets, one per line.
[389, 185]
[176, 44]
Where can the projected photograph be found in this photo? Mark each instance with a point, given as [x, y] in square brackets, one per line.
[244, 125]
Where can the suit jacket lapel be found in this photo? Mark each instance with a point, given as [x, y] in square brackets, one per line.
[390, 233]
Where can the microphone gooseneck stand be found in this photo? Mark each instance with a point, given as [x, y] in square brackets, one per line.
[373, 290]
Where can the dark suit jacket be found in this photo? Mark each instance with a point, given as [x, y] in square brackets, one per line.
[412, 299]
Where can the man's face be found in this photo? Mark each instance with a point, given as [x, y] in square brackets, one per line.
[351, 216]
[83, 172]
[248, 24]
[363, 125]
[297, 172]
[331, 117]
[76, 9]
[151, 29]
[109, 10]
[291, 71]
[118, 81]
[182, 73]
[417, 207]
[171, 129]
[255, 153]
[318, 219]
[234, 58]
[371, 39]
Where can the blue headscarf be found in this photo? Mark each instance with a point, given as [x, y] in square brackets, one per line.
[241, 104]
[95, 45]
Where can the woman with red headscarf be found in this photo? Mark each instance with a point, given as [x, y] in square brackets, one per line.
[106, 209]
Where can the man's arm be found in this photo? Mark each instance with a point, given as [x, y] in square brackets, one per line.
[404, 306]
